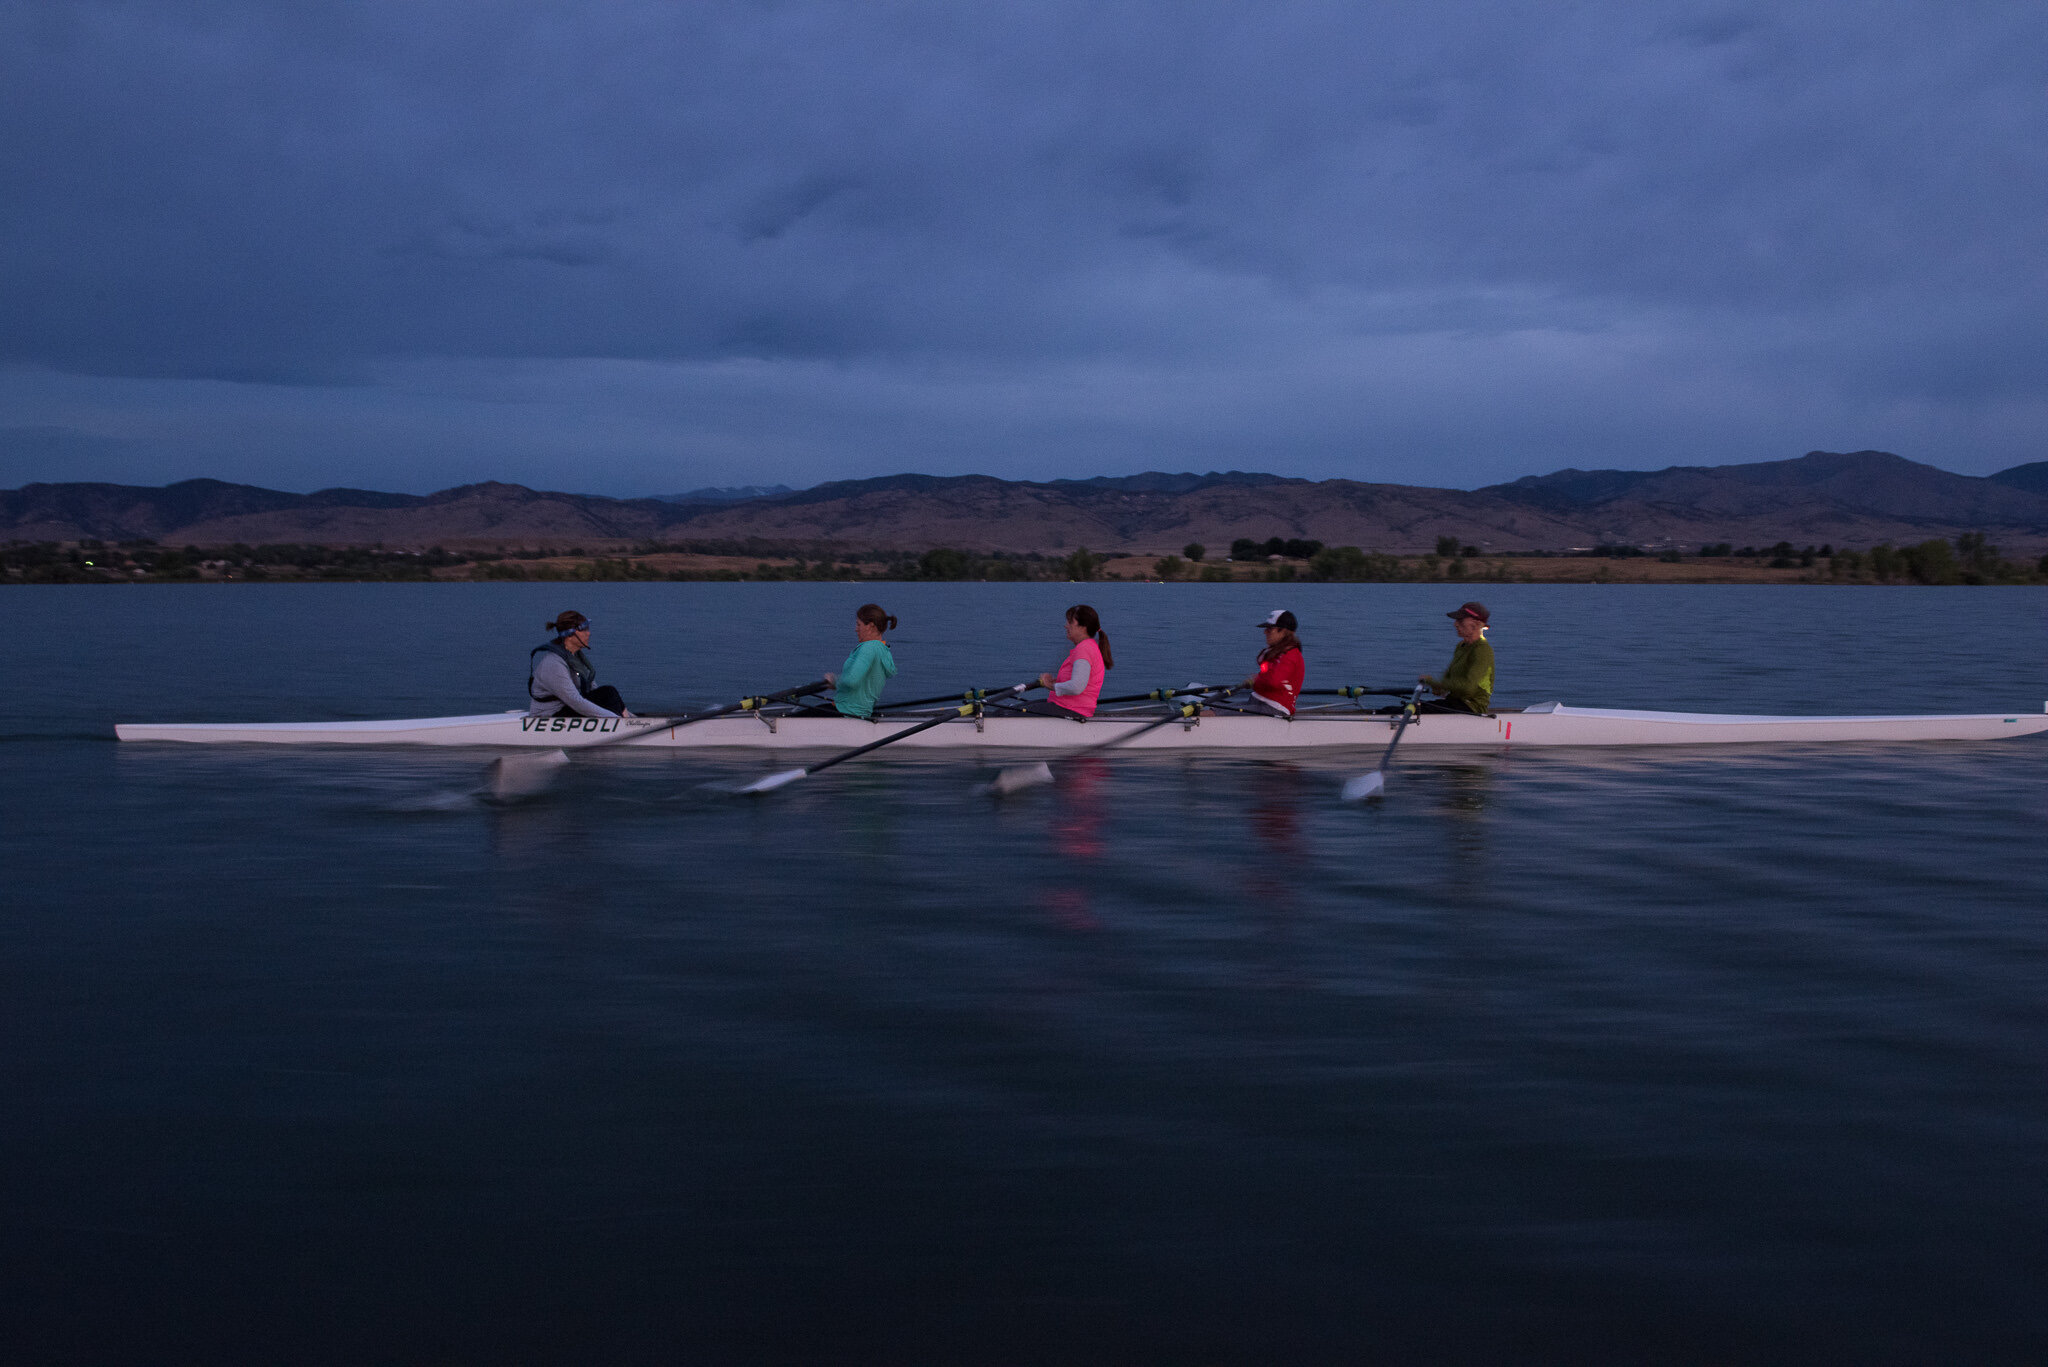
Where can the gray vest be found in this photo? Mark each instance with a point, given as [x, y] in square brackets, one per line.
[580, 669]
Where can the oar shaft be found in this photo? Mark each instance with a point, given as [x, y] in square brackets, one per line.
[1407, 715]
[962, 696]
[1130, 736]
[886, 740]
[964, 710]
[1181, 712]
[743, 705]
[1354, 691]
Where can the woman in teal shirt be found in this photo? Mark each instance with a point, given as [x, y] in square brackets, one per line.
[857, 687]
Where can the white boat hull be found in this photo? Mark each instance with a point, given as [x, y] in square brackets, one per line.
[1546, 725]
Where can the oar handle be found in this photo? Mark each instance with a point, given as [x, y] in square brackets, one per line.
[763, 699]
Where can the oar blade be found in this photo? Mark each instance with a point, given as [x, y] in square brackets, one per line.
[774, 781]
[1018, 777]
[1365, 786]
[515, 778]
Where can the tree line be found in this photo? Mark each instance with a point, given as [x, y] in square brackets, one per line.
[1967, 559]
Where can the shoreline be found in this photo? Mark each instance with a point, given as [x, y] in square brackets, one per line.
[719, 569]
[1968, 560]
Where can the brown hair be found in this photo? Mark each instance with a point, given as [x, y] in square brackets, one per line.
[566, 623]
[872, 614]
[1288, 641]
[1091, 623]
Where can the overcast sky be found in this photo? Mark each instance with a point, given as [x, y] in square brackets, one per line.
[629, 247]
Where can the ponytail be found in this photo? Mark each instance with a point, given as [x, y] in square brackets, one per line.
[872, 614]
[1091, 622]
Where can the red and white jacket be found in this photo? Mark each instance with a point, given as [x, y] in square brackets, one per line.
[1278, 683]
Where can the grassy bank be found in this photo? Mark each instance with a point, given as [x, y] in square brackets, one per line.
[1966, 560]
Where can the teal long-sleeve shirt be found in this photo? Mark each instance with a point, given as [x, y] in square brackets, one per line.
[861, 679]
[1469, 680]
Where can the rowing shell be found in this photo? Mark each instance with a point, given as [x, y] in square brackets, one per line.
[1545, 724]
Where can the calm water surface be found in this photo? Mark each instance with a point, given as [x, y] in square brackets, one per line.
[1715, 1056]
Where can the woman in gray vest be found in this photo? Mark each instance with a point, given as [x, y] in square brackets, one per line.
[560, 678]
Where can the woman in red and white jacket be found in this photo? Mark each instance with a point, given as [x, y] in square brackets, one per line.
[1277, 683]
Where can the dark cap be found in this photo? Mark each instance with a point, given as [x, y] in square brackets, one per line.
[568, 622]
[1476, 611]
[1278, 617]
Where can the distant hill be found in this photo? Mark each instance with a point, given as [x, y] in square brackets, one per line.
[2032, 478]
[739, 493]
[1861, 483]
[1856, 499]
[1154, 482]
[209, 512]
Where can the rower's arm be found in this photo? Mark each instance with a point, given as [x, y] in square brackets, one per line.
[866, 670]
[1077, 682]
[873, 670]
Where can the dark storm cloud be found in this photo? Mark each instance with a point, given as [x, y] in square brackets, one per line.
[1474, 233]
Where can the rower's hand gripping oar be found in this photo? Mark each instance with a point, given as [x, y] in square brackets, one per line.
[789, 776]
[512, 777]
[1371, 784]
[1018, 777]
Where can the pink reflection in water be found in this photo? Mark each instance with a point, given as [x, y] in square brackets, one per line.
[1077, 836]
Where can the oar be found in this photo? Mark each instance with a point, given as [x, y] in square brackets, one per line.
[789, 776]
[1018, 777]
[512, 777]
[1160, 694]
[959, 696]
[1366, 785]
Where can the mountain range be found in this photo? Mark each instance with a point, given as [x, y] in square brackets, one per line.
[737, 493]
[1858, 499]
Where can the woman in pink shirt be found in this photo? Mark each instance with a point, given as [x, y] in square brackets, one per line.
[1079, 681]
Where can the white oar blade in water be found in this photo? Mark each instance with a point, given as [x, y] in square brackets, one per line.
[774, 781]
[1365, 786]
[1018, 777]
[513, 778]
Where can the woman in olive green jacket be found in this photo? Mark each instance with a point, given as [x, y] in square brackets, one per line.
[1467, 686]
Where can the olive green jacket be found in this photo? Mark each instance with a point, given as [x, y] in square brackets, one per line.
[1469, 680]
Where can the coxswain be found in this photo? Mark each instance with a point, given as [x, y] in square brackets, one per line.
[857, 687]
[560, 678]
[1467, 686]
[1277, 683]
[1074, 689]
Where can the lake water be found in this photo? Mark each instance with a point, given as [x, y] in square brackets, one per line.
[1713, 1056]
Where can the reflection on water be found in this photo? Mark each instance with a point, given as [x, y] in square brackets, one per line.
[1702, 1056]
[1077, 844]
[1460, 798]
